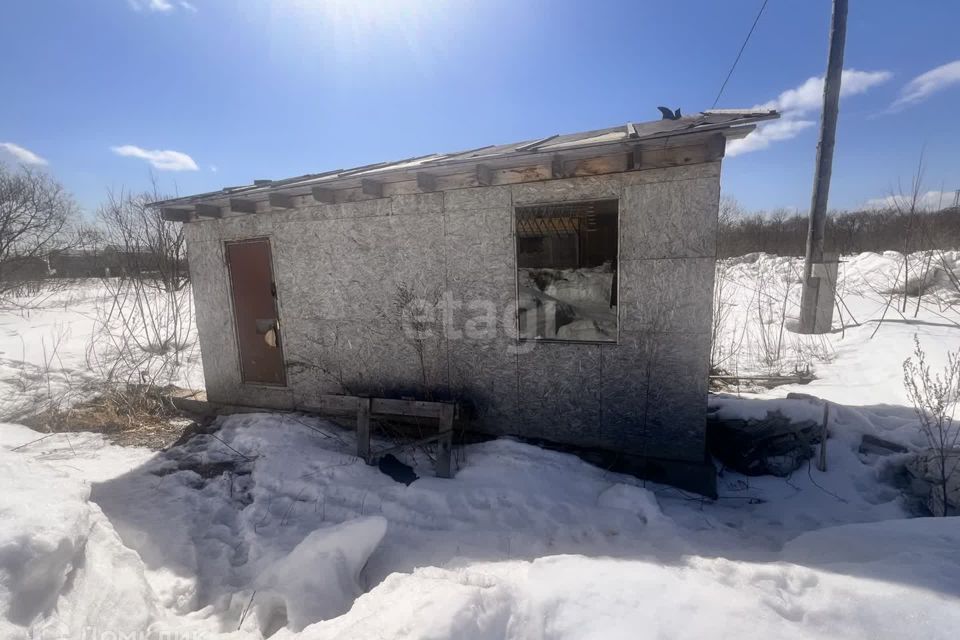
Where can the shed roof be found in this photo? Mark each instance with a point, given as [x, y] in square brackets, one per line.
[731, 123]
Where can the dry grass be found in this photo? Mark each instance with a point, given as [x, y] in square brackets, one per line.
[135, 417]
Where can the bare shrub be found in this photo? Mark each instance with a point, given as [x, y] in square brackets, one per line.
[773, 295]
[144, 330]
[935, 397]
[722, 310]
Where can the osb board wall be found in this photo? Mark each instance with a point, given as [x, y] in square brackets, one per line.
[337, 269]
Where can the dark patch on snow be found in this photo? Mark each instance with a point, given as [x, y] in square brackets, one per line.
[397, 470]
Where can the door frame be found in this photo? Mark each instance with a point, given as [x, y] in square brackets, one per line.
[276, 308]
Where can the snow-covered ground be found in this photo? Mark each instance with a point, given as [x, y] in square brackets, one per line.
[859, 362]
[46, 345]
[269, 526]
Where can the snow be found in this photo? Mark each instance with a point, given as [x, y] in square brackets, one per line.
[269, 526]
[45, 355]
[859, 363]
[301, 540]
[319, 579]
[568, 304]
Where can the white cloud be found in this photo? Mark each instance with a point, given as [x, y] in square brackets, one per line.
[21, 154]
[927, 201]
[795, 105]
[809, 95]
[161, 6]
[927, 84]
[160, 160]
[766, 135]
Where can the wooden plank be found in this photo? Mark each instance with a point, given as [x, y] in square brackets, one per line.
[324, 195]
[333, 402]
[262, 183]
[371, 187]
[411, 444]
[240, 205]
[426, 181]
[281, 201]
[416, 408]
[681, 156]
[445, 443]
[531, 146]
[484, 175]
[176, 215]
[208, 210]
[596, 166]
[363, 429]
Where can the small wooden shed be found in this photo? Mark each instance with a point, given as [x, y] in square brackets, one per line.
[557, 289]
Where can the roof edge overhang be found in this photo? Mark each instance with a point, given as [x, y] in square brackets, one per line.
[425, 170]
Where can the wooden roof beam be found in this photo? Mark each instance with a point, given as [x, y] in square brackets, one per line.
[484, 175]
[426, 181]
[208, 210]
[556, 167]
[280, 201]
[240, 205]
[371, 187]
[324, 195]
[176, 215]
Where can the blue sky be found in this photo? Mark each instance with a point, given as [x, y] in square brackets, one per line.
[248, 89]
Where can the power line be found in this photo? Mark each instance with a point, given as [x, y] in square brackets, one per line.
[740, 53]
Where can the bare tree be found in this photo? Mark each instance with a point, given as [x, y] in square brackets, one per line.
[37, 216]
[144, 245]
[907, 206]
[935, 397]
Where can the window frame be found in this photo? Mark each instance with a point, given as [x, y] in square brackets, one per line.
[516, 271]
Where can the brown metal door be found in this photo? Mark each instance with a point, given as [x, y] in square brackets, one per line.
[255, 311]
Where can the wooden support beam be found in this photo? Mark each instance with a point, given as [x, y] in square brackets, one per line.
[556, 167]
[209, 210]
[409, 408]
[717, 147]
[426, 182]
[240, 205]
[484, 175]
[176, 215]
[444, 466]
[709, 151]
[371, 187]
[363, 429]
[280, 201]
[324, 195]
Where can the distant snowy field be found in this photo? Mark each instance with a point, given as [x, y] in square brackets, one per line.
[273, 528]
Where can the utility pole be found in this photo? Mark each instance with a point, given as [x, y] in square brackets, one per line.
[816, 306]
